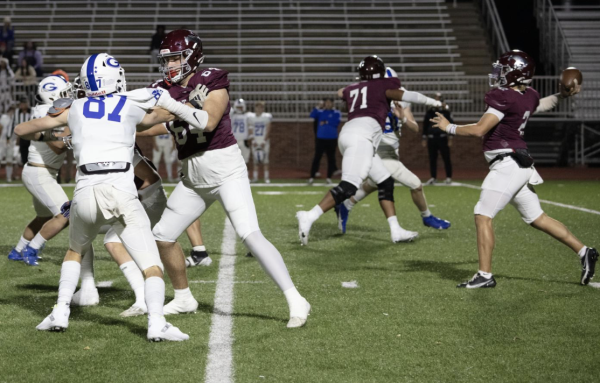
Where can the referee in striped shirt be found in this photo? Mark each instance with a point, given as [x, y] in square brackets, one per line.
[23, 114]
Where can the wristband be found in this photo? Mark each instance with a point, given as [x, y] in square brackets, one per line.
[451, 129]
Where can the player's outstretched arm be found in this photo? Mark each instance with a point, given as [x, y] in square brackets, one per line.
[412, 97]
[484, 125]
[548, 103]
[36, 129]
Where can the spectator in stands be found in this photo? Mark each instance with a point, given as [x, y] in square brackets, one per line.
[26, 75]
[5, 54]
[328, 121]
[157, 38]
[6, 80]
[33, 57]
[7, 35]
[436, 141]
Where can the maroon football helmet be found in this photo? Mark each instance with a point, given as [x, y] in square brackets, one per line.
[512, 68]
[371, 67]
[185, 45]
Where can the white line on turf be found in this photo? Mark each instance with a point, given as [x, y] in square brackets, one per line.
[283, 185]
[219, 366]
[104, 284]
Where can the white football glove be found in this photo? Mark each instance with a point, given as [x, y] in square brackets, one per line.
[198, 96]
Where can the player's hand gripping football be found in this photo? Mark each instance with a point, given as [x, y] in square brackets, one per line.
[440, 121]
[198, 96]
[569, 92]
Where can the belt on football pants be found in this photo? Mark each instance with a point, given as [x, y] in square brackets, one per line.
[105, 167]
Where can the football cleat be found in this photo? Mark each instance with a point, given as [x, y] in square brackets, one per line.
[160, 330]
[403, 235]
[134, 311]
[299, 316]
[198, 258]
[431, 181]
[14, 255]
[58, 320]
[89, 297]
[436, 223]
[30, 256]
[182, 306]
[478, 281]
[342, 213]
[588, 265]
[304, 225]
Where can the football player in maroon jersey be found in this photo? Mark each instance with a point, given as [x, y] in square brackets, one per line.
[368, 105]
[214, 170]
[510, 103]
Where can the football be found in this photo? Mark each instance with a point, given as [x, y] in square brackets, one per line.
[567, 78]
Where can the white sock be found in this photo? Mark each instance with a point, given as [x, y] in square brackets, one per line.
[425, 213]
[136, 280]
[199, 248]
[393, 222]
[360, 194]
[69, 276]
[22, 244]
[581, 252]
[293, 297]
[8, 172]
[485, 275]
[315, 213]
[255, 174]
[155, 296]
[266, 174]
[87, 270]
[169, 171]
[349, 203]
[37, 242]
[183, 294]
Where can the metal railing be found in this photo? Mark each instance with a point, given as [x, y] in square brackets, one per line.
[554, 46]
[291, 97]
[591, 153]
[489, 13]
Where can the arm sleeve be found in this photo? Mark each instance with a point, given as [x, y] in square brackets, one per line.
[495, 112]
[547, 103]
[418, 98]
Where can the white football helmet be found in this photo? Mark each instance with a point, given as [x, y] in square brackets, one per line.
[239, 106]
[101, 74]
[389, 72]
[52, 88]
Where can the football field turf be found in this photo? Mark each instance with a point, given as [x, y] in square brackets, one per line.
[405, 322]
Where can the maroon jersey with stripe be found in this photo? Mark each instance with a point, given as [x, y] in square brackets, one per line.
[368, 99]
[188, 143]
[517, 107]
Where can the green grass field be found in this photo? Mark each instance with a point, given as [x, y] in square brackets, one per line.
[406, 321]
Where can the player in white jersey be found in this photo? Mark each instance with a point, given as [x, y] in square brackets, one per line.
[8, 141]
[240, 125]
[163, 147]
[260, 124]
[105, 192]
[388, 150]
[39, 177]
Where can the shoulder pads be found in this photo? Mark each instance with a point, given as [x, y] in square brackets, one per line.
[60, 106]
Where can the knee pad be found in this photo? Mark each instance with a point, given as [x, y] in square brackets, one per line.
[343, 191]
[386, 190]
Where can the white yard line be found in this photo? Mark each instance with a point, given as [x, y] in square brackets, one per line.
[219, 366]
